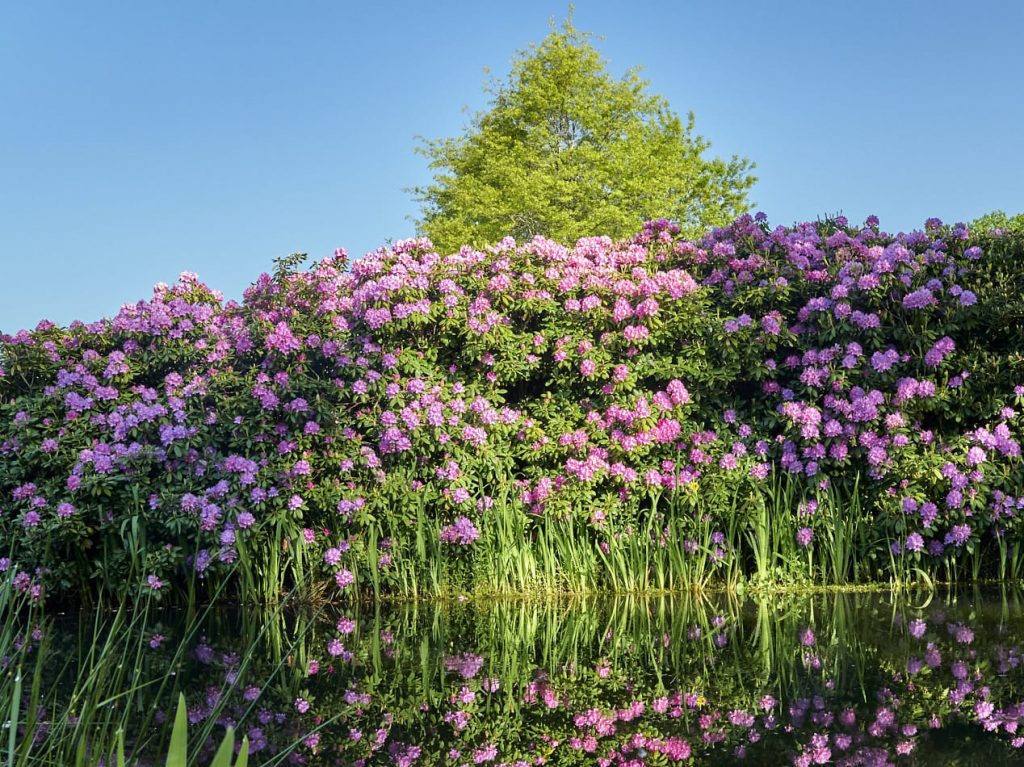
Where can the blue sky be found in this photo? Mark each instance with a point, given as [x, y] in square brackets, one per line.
[140, 140]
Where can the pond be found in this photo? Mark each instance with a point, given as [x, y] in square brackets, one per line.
[839, 678]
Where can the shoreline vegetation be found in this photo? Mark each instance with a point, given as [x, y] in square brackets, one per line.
[400, 470]
[554, 483]
[823, 404]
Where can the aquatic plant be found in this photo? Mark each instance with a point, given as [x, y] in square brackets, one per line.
[100, 692]
[177, 751]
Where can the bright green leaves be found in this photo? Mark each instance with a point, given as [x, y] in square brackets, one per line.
[567, 151]
[177, 753]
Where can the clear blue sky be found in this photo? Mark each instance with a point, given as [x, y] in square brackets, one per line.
[142, 139]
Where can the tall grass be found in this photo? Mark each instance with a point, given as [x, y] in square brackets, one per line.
[735, 538]
[738, 537]
[99, 699]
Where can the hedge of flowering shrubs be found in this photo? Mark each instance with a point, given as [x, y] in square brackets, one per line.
[649, 413]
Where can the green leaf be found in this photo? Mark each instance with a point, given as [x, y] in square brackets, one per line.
[120, 748]
[12, 734]
[177, 753]
[243, 753]
[225, 751]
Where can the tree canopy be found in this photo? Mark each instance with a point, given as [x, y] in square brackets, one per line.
[566, 151]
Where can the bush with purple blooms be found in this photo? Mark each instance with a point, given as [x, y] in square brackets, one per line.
[823, 402]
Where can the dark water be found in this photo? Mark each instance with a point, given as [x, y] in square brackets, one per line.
[848, 679]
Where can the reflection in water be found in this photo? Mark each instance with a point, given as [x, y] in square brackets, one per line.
[846, 679]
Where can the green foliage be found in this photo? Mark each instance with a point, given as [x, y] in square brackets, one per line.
[567, 151]
[998, 223]
[97, 694]
[778, 405]
[177, 753]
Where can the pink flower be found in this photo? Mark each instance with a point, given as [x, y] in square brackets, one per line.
[462, 532]
[635, 333]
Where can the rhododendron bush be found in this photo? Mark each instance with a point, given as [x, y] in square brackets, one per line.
[650, 413]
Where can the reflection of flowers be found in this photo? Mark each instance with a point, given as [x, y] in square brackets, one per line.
[618, 723]
[467, 665]
[619, 695]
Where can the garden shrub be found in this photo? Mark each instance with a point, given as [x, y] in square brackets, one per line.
[651, 413]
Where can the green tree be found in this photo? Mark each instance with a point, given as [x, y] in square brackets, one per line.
[568, 151]
[999, 221]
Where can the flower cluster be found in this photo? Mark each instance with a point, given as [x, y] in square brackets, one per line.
[411, 411]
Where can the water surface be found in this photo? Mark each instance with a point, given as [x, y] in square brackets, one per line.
[845, 679]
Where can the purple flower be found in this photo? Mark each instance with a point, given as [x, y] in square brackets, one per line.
[929, 511]
[939, 351]
[771, 323]
[346, 626]
[958, 535]
[804, 536]
[883, 361]
[281, 339]
[462, 532]
[23, 492]
[865, 321]
[203, 559]
[377, 318]
[919, 299]
[485, 754]
[963, 634]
